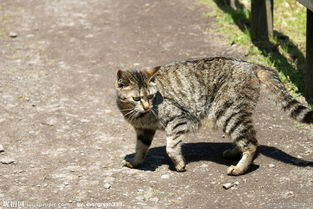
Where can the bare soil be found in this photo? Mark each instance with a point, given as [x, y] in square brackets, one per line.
[60, 126]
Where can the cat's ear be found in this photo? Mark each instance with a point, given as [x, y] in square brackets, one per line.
[122, 79]
[151, 72]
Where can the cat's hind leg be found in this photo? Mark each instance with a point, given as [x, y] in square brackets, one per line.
[243, 135]
[248, 152]
[144, 140]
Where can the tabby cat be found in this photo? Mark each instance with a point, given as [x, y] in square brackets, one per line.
[177, 97]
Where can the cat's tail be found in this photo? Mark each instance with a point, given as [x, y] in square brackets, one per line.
[295, 109]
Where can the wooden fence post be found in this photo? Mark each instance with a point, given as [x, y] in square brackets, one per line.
[232, 4]
[261, 19]
[308, 70]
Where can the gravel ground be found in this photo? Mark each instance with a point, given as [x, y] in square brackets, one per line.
[63, 139]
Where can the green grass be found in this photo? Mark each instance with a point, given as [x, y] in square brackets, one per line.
[286, 49]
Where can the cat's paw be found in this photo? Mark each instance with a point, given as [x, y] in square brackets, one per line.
[235, 170]
[129, 164]
[180, 167]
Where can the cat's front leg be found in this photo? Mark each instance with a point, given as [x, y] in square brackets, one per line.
[173, 149]
[174, 139]
[144, 140]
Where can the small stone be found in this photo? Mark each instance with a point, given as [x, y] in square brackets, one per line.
[299, 156]
[13, 34]
[107, 186]
[288, 194]
[228, 185]
[148, 194]
[204, 166]
[51, 121]
[107, 111]
[154, 199]
[165, 176]
[84, 120]
[7, 160]
[284, 179]
[1, 148]
[89, 36]
[271, 165]
[140, 198]
[236, 183]
[108, 179]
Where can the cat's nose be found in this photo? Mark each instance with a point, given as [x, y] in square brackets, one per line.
[145, 105]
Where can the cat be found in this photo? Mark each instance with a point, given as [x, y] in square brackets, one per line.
[179, 96]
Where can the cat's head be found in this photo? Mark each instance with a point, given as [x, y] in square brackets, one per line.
[136, 91]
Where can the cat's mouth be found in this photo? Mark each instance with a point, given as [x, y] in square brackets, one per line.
[142, 114]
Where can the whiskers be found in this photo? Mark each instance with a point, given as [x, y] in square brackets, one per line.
[154, 112]
[129, 114]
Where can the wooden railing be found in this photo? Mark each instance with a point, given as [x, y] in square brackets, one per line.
[308, 71]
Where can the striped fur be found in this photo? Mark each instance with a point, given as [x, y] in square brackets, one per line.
[178, 97]
[290, 105]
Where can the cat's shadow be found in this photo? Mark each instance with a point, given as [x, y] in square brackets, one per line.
[209, 151]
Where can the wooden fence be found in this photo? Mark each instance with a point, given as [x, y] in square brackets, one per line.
[308, 71]
[262, 28]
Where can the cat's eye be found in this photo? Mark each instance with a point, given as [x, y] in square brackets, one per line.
[137, 99]
[150, 96]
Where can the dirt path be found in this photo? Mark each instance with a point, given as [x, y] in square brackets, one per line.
[60, 126]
